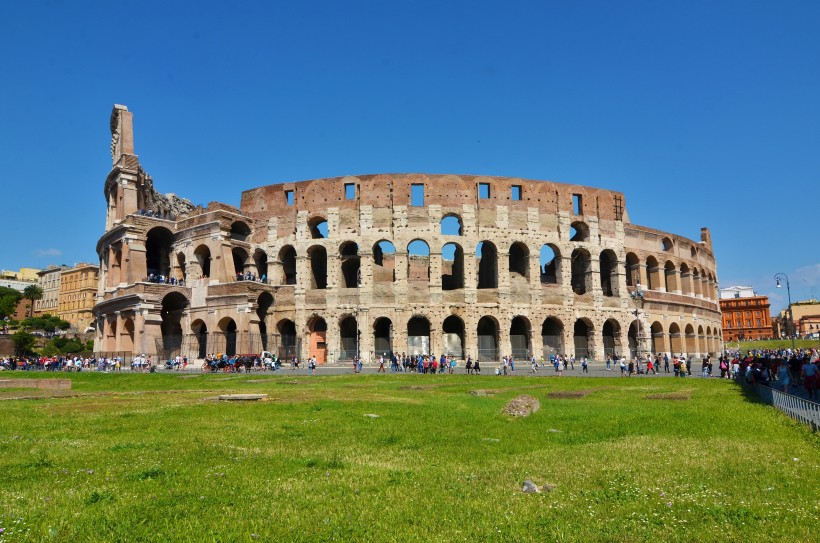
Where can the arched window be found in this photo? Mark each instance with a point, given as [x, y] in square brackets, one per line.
[318, 228]
[579, 231]
[581, 271]
[158, 250]
[351, 273]
[608, 263]
[240, 231]
[550, 258]
[487, 256]
[384, 262]
[452, 267]
[519, 260]
[318, 267]
[451, 225]
[418, 261]
[453, 336]
[287, 256]
[203, 258]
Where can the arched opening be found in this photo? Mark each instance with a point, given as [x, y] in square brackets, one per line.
[487, 256]
[418, 335]
[418, 261]
[158, 251]
[670, 276]
[384, 262]
[697, 284]
[550, 259]
[691, 340]
[287, 256]
[653, 274]
[519, 261]
[632, 337]
[452, 267]
[666, 245]
[658, 343]
[173, 307]
[487, 331]
[552, 336]
[579, 231]
[240, 260]
[127, 339]
[183, 271]
[111, 338]
[520, 338]
[287, 338]
[453, 336]
[318, 267]
[200, 333]
[260, 260]
[611, 334]
[351, 271]
[117, 273]
[451, 225]
[633, 266]
[263, 304]
[581, 271]
[702, 344]
[383, 337]
[608, 262]
[318, 339]
[685, 279]
[318, 228]
[348, 338]
[675, 343]
[203, 258]
[583, 338]
[227, 328]
[240, 231]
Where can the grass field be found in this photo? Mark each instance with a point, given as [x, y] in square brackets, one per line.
[746, 346]
[155, 458]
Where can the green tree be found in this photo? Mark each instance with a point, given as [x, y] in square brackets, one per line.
[32, 292]
[8, 301]
[23, 342]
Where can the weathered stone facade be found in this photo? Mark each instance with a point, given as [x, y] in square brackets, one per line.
[468, 265]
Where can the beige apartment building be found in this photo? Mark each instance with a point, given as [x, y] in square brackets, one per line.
[49, 281]
[77, 290]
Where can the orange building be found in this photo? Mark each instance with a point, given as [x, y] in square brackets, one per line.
[745, 314]
[78, 290]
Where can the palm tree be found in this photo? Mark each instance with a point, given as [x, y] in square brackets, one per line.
[32, 292]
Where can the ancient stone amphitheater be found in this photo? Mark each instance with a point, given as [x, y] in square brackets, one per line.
[407, 263]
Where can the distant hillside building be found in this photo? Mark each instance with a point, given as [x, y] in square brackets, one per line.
[78, 288]
[18, 280]
[746, 315]
[49, 281]
[806, 319]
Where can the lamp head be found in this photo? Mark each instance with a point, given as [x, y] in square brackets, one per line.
[778, 283]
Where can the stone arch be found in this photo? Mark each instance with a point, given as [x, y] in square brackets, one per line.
[287, 256]
[703, 346]
[318, 227]
[693, 252]
[608, 262]
[203, 257]
[260, 260]
[451, 225]
[174, 305]
[240, 231]
[418, 335]
[240, 261]
[111, 337]
[691, 342]
[487, 332]
[384, 262]
[487, 260]
[127, 337]
[199, 330]
[286, 329]
[611, 337]
[675, 340]
[350, 264]
[452, 267]
[383, 336]
[697, 283]
[158, 249]
[183, 269]
[633, 337]
[653, 273]
[520, 331]
[633, 267]
[583, 335]
[670, 276]
[552, 336]
[667, 245]
[453, 333]
[228, 329]
[658, 341]
[317, 334]
[264, 302]
[581, 271]
[579, 231]
[349, 334]
[418, 260]
[685, 279]
[550, 261]
[518, 261]
[318, 266]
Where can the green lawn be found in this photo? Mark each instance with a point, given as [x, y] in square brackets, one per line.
[154, 458]
[746, 346]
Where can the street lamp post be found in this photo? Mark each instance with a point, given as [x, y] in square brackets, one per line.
[638, 298]
[785, 277]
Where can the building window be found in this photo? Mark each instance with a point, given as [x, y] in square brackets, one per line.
[483, 191]
[350, 191]
[516, 192]
[417, 195]
[289, 197]
[577, 204]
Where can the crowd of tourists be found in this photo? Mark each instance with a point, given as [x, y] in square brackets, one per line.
[164, 279]
[788, 370]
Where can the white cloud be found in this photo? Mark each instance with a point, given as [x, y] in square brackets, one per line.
[808, 274]
[48, 252]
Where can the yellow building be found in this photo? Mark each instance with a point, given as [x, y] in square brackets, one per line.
[78, 288]
[29, 275]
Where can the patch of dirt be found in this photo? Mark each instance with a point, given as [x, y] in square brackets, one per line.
[522, 406]
[190, 376]
[286, 382]
[419, 387]
[569, 394]
[482, 392]
[675, 396]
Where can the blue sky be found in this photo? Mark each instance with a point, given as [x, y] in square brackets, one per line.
[702, 113]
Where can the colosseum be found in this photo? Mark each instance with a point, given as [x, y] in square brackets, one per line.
[408, 263]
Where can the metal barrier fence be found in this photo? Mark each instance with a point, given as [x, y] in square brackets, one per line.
[801, 410]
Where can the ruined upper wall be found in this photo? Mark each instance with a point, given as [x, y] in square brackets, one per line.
[451, 192]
